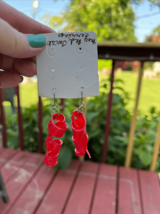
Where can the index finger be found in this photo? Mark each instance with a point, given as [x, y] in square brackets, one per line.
[21, 22]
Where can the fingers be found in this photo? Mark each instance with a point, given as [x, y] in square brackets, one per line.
[25, 67]
[9, 79]
[21, 22]
[16, 44]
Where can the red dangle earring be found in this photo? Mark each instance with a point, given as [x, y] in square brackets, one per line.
[56, 128]
[80, 136]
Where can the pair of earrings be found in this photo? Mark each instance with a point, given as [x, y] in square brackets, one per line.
[57, 128]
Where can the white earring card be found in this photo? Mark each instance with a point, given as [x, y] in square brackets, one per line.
[68, 64]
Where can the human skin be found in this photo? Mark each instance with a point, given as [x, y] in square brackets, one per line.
[17, 56]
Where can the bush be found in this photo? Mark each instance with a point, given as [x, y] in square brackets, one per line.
[96, 120]
[129, 68]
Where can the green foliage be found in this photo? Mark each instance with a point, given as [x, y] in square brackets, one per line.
[129, 68]
[64, 158]
[96, 120]
[103, 63]
[119, 131]
[30, 123]
[156, 31]
[148, 65]
[107, 18]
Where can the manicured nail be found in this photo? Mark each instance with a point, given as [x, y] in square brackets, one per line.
[36, 40]
[22, 79]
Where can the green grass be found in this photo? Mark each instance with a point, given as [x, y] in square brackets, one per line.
[28, 94]
[150, 93]
[28, 97]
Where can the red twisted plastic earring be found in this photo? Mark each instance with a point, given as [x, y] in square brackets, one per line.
[80, 136]
[56, 129]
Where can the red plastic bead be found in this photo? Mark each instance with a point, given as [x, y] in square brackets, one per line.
[80, 137]
[58, 128]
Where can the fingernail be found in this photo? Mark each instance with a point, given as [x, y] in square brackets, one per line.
[22, 79]
[36, 40]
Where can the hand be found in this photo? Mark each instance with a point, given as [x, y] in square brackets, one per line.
[17, 49]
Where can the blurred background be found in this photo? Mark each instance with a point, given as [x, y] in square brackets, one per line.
[112, 20]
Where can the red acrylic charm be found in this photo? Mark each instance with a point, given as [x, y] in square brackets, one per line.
[80, 137]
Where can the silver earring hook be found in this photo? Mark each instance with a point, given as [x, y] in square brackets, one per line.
[81, 104]
[81, 95]
[54, 106]
[54, 90]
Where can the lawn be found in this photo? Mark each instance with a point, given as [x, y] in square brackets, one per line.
[150, 91]
[149, 96]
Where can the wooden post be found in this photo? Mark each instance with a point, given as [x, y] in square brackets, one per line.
[40, 134]
[156, 149]
[85, 114]
[133, 122]
[3, 119]
[20, 123]
[108, 116]
[62, 104]
[85, 105]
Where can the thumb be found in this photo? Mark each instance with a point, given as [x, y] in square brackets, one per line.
[18, 45]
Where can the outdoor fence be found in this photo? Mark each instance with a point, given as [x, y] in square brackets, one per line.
[106, 50]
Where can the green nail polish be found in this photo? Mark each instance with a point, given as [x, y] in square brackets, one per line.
[37, 40]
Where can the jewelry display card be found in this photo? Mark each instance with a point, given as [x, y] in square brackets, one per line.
[68, 64]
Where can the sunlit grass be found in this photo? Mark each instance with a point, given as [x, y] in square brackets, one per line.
[150, 92]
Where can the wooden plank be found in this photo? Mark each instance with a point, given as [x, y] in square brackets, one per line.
[128, 192]
[6, 154]
[150, 192]
[40, 118]
[20, 121]
[156, 149]
[134, 118]
[58, 192]
[143, 45]
[14, 165]
[108, 115]
[1, 149]
[20, 180]
[105, 195]
[3, 122]
[62, 105]
[81, 196]
[34, 193]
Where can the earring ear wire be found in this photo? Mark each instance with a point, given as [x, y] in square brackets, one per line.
[54, 106]
[56, 128]
[81, 104]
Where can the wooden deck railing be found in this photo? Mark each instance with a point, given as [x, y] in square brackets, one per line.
[106, 50]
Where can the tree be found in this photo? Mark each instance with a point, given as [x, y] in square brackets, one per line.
[155, 35]
[110, 19]
[153, 2]
[156, 31]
